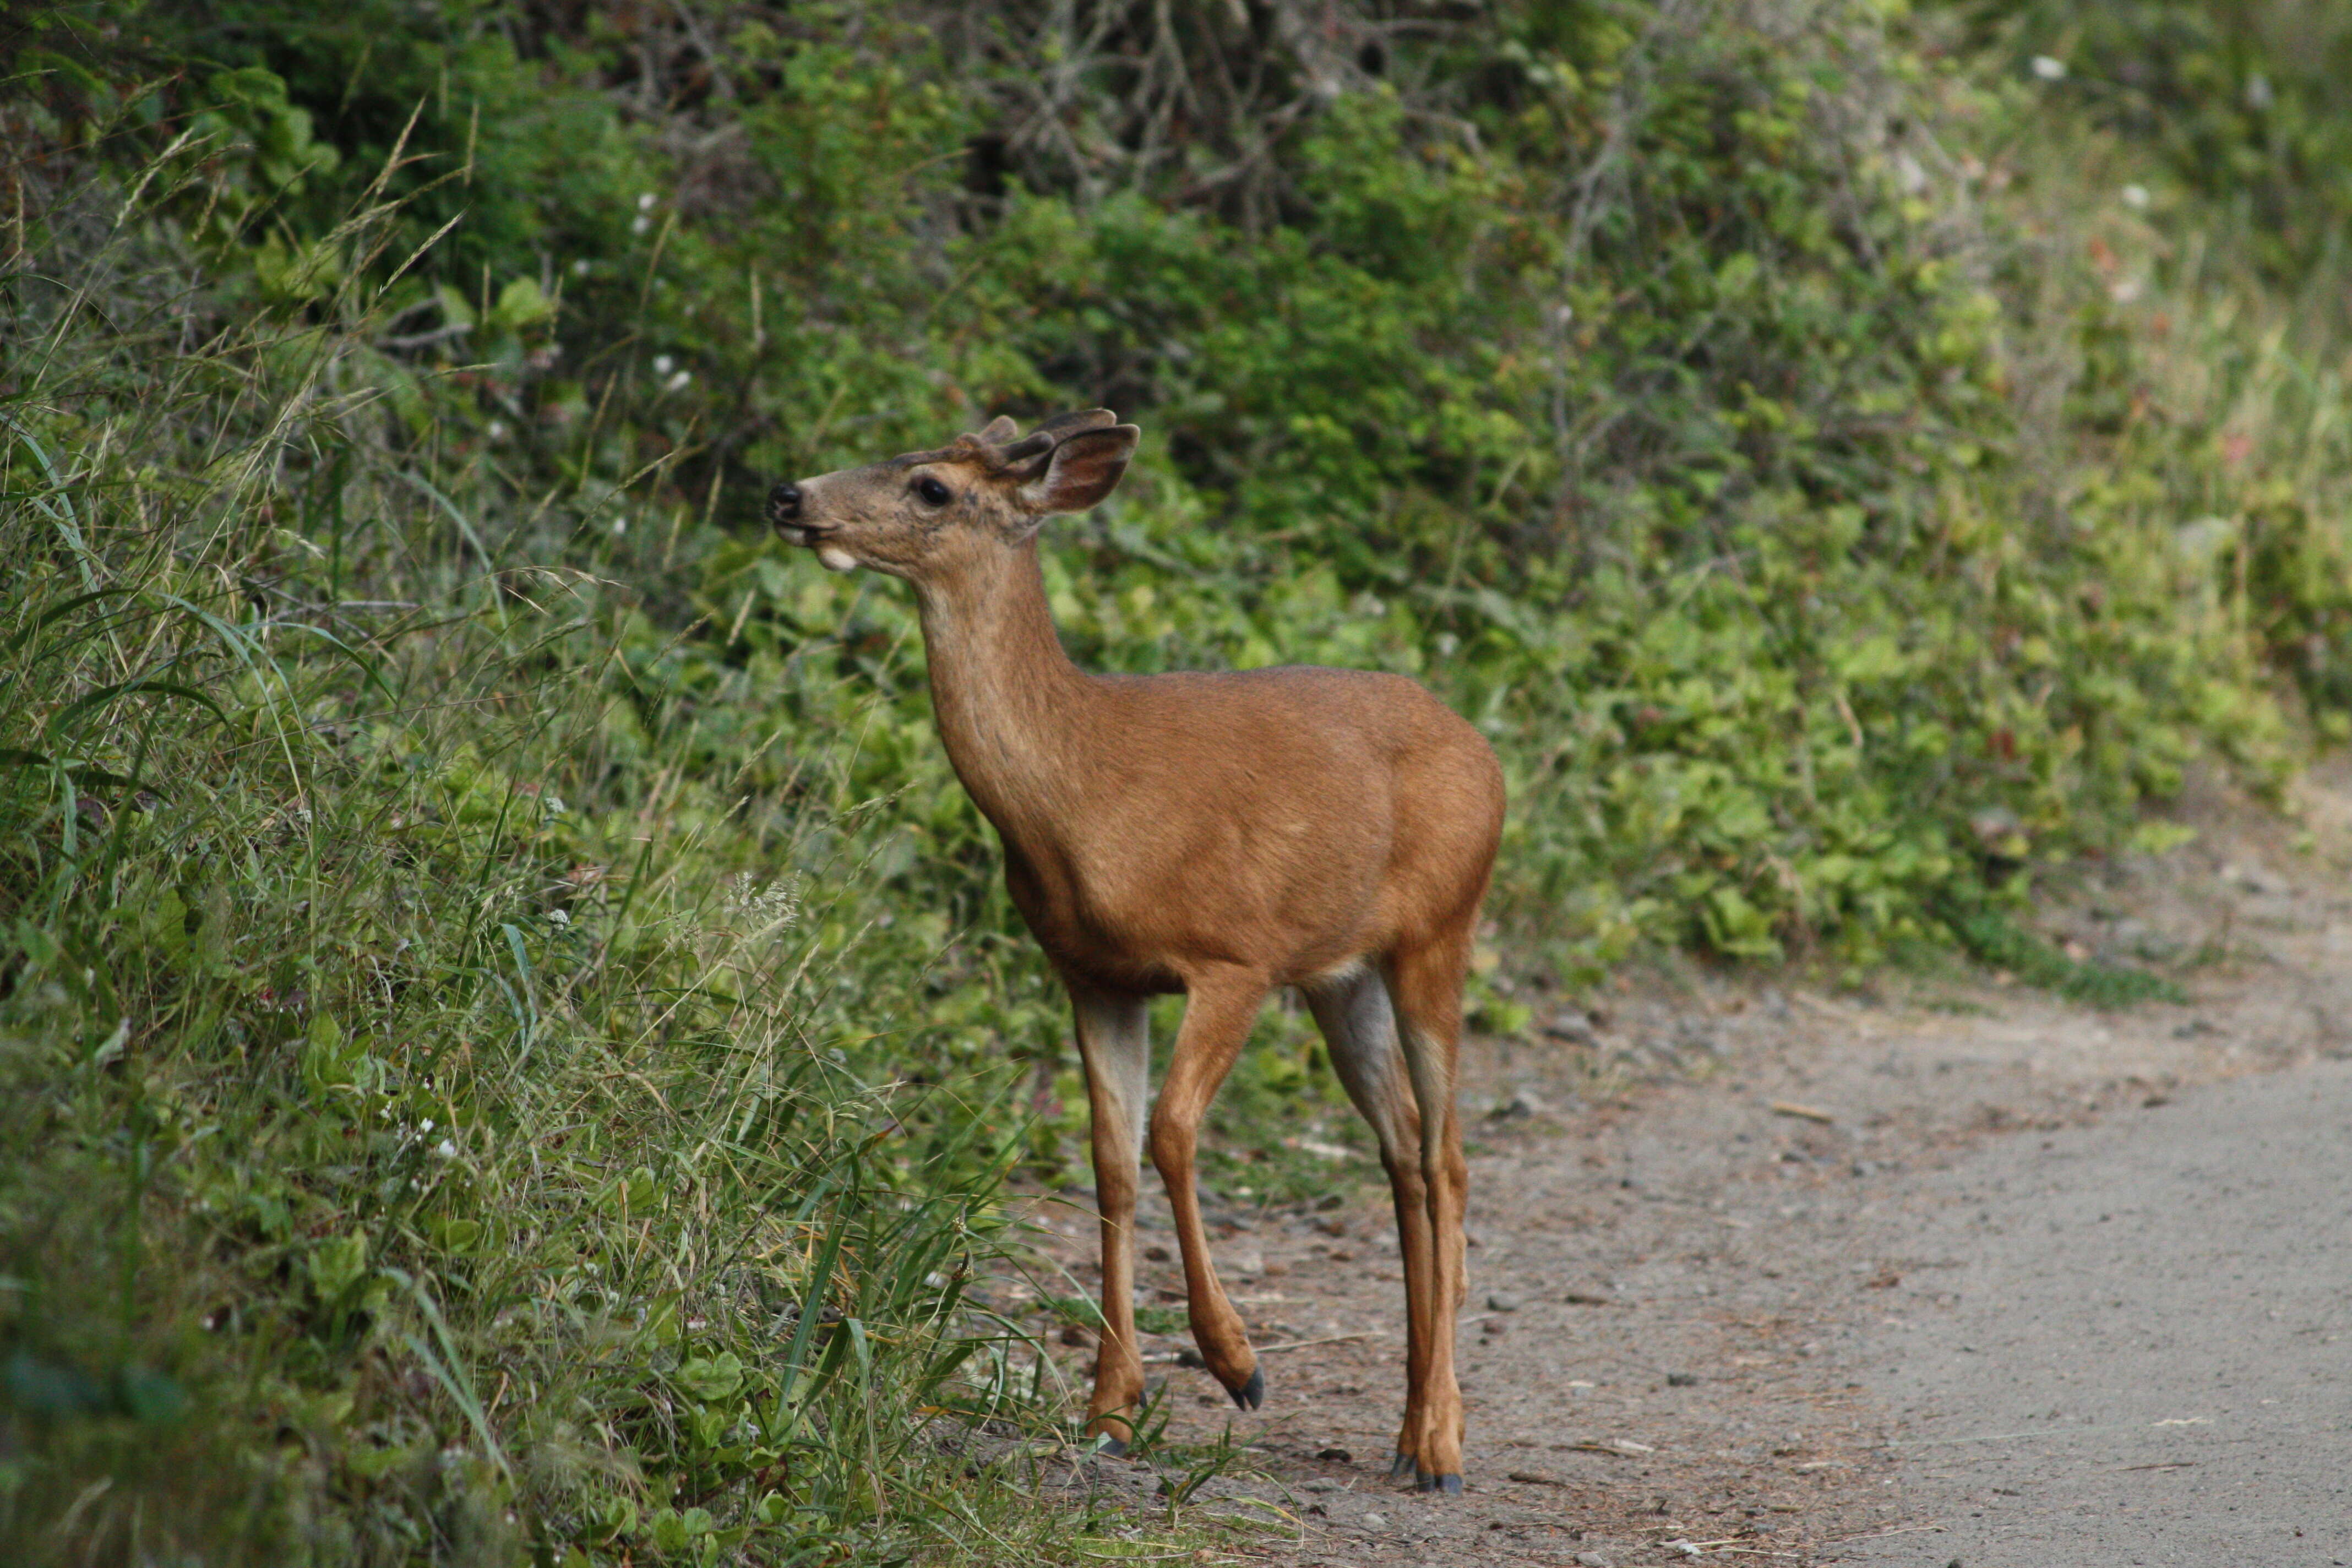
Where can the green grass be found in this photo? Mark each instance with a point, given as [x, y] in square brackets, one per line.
[439, 1118]
[1996, 940]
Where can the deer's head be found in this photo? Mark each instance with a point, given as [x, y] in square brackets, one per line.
[929, 515]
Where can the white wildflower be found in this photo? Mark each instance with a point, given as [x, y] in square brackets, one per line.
[662, 363]
[2136, 197]
[2049, 69]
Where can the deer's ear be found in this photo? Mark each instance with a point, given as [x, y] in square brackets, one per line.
[1000, 430]
[1085, 468]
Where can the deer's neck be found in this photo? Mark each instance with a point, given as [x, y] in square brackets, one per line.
[1011, 708]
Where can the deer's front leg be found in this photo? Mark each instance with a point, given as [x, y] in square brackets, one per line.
[1219, 1009]
[1114, 1042]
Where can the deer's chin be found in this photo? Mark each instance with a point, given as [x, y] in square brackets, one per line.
[834, 558]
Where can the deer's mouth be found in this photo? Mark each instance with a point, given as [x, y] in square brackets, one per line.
[829, 554]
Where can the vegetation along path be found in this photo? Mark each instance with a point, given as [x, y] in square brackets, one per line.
[1963, 1274]
[514, 1041]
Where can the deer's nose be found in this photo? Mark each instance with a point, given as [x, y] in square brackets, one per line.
[785, 503]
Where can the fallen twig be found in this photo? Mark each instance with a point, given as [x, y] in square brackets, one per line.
[1890, 1530]
[1616, 1447]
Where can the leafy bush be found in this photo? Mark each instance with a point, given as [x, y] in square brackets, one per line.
[1620, 373]
[2240, 103]
[2180, 168]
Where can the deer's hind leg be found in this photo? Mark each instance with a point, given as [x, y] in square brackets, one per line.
[1114, 1042]
[1425, 984]
[1359, 1024]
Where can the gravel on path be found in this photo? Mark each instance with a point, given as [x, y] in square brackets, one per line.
[2150, 1357]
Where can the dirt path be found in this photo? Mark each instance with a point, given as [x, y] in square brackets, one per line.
[1754, 1275]
[2150, 1357]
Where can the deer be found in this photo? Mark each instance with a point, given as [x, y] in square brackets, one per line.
[1219, 835]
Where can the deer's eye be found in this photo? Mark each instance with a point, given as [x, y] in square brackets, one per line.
[933, 492]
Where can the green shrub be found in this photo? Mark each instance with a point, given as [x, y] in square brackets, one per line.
[1623, 375]
[2239, 102]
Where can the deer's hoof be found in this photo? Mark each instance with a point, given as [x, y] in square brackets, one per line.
[1108, 1446]
[1450, 1485]
[1401, 1467]
[1251, 1394]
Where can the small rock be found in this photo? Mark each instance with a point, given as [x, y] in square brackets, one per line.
[1157, 1253]
[2253, 878]
[1252, 1262]
[1691, 1034]
[1682, 1380]
[1502, 1301]
[1376, 1522]
[1332, 1224]
[1523, 1102]
[1335, 1455]
[1595, 1560]
[1321, 1484]
[1570, 1025]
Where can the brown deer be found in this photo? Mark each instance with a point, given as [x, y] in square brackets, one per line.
[1217, 834]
